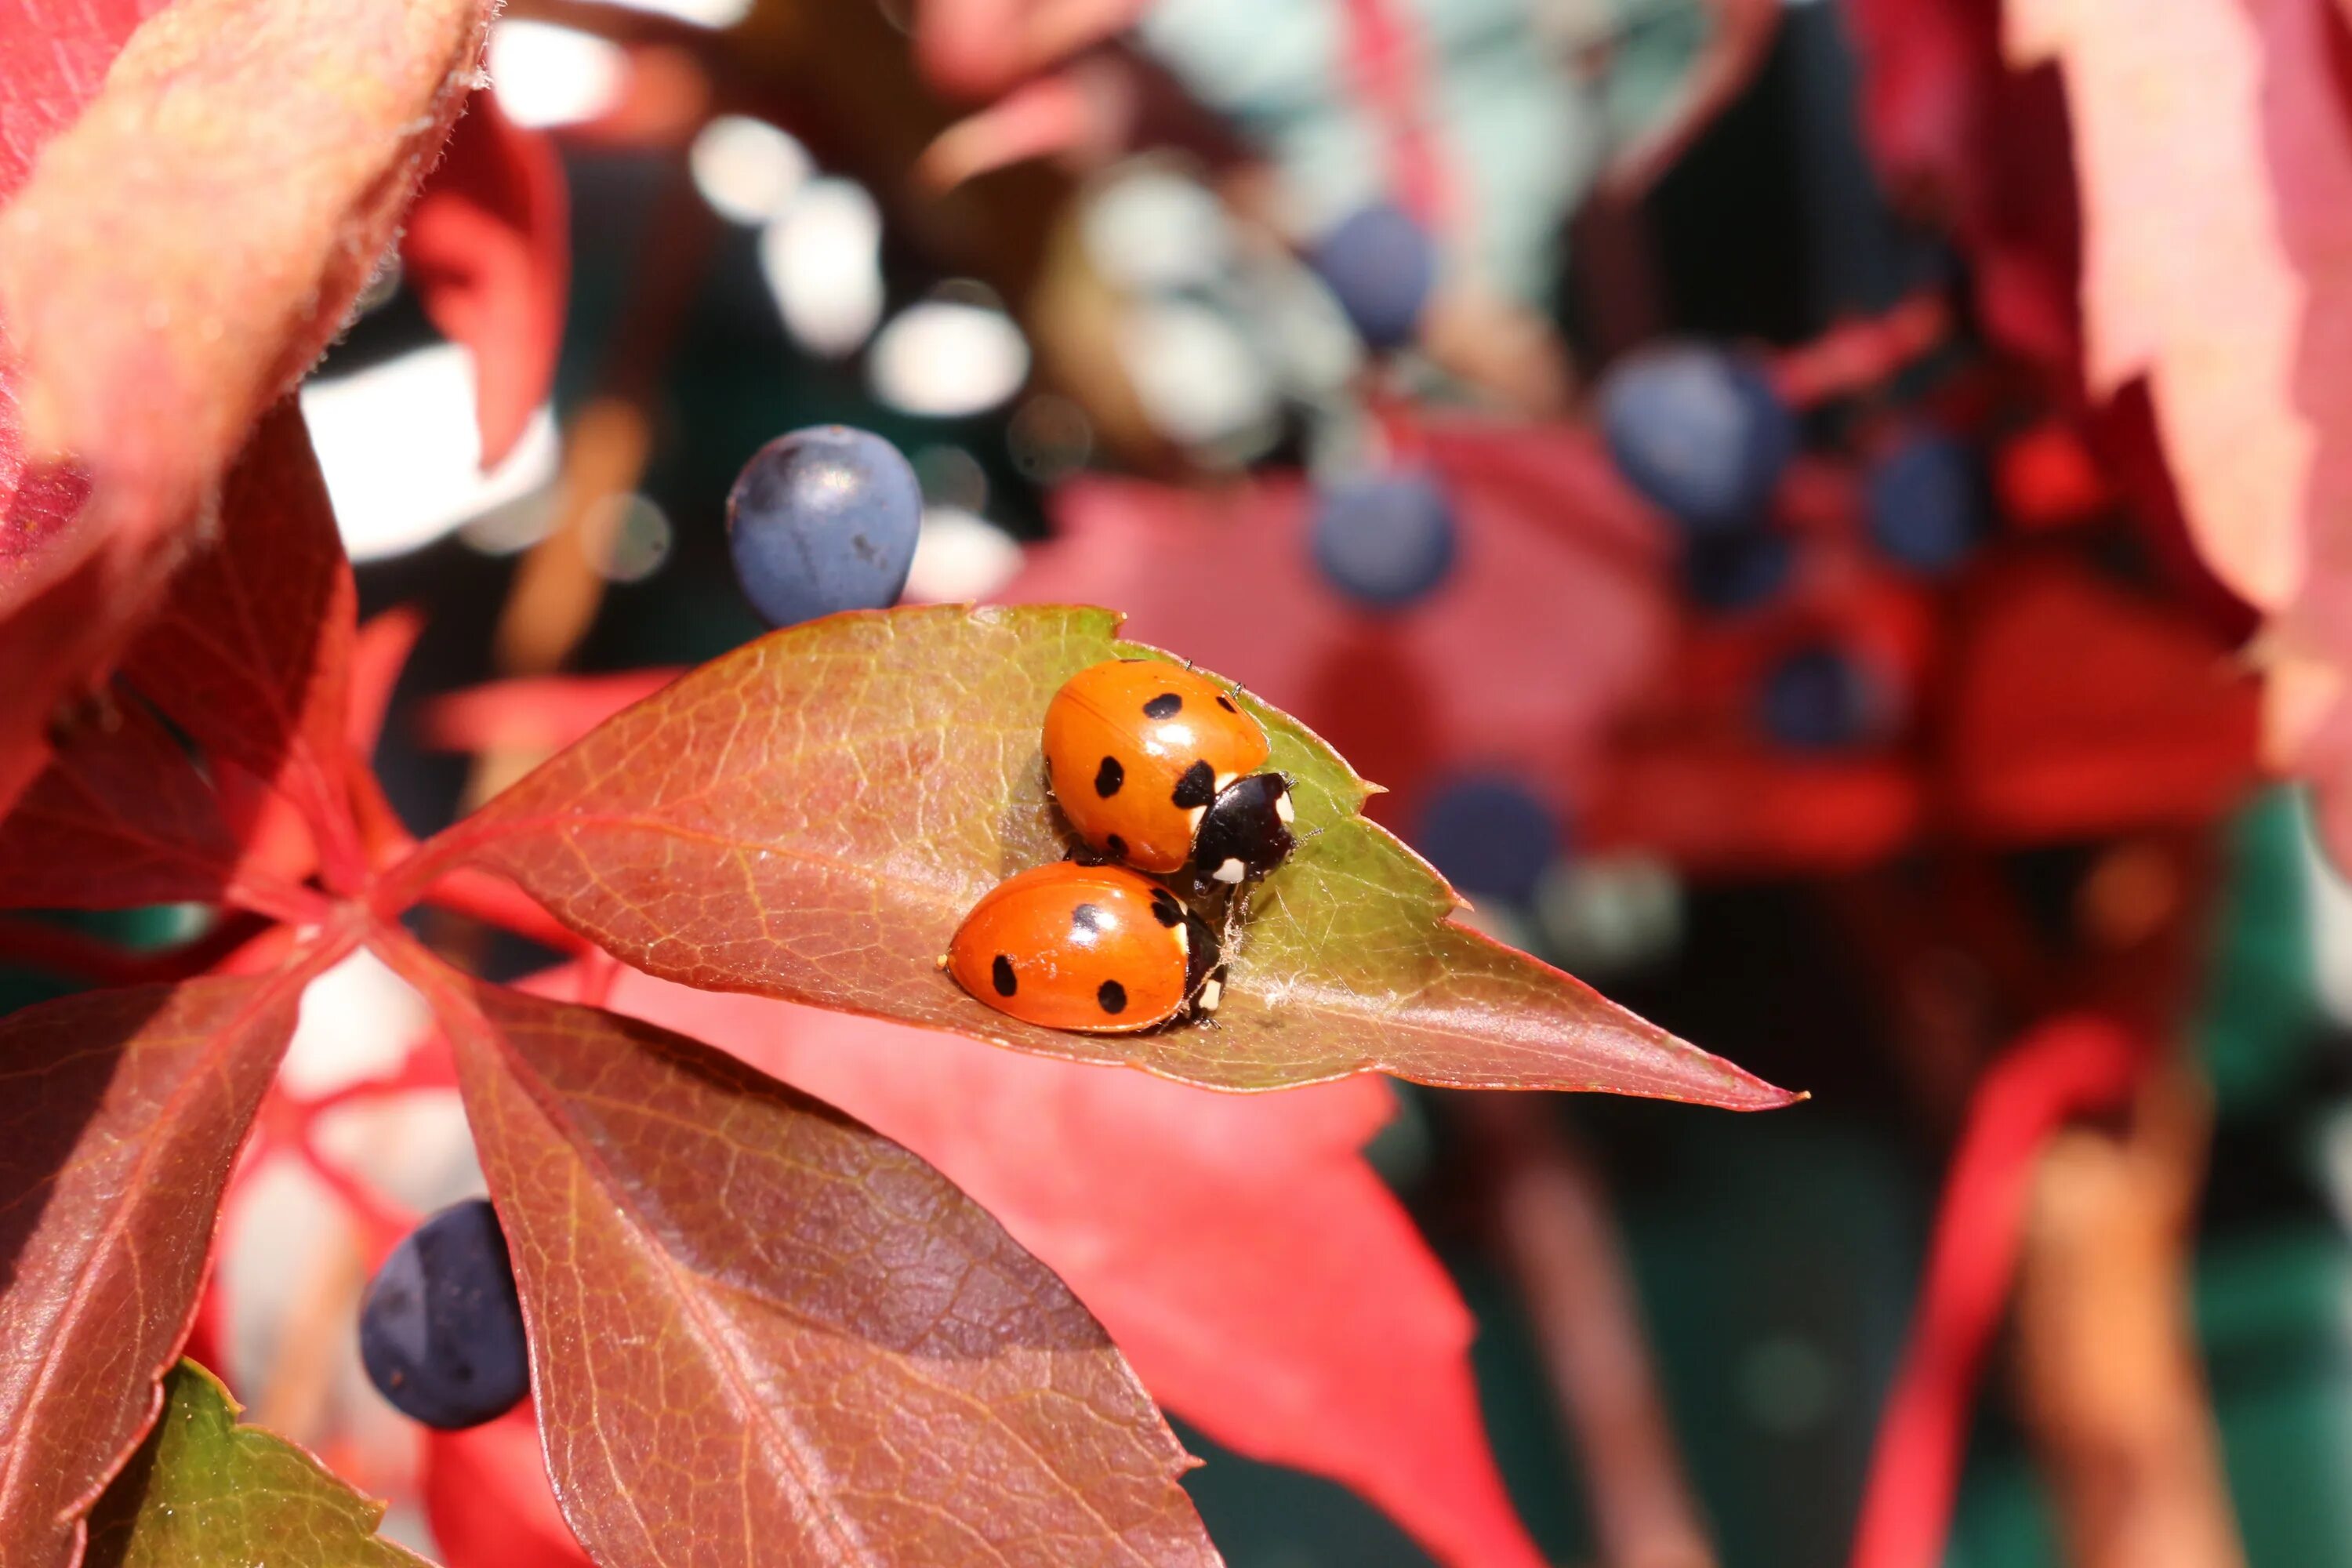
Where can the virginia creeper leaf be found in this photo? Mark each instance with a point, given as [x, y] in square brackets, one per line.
[119, 817]
[761, 1331]
[2215, 173]
[1262, 1279]
[810, 816]
[1559, 571]
[177, 258]
[203, 1490]
[121, 1115]
[250, 652]
[486, 1497]
[488, 253]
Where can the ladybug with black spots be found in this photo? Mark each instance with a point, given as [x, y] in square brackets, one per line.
[1157, 766]
[1097, 950]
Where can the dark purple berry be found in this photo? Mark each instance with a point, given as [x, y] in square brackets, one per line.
[824, 519]
[441, 1327]
[1699, 432]
[1491, 835]
[1385, 539]
[1924, 499]
[1378, 264]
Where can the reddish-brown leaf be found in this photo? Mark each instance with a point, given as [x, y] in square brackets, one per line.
[250, 653]
[488, 252]
[761, 1331]
[121, 1114]
[1263, 1279]
[121, 816]
[176, 259]
[812, 815]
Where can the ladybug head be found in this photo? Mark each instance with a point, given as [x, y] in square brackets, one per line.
[1246, 832]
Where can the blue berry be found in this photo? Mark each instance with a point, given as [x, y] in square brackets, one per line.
[824, 519]
[441, 1327]
[1386, 540]
[1816, 698]
[1924, 499]
[1490, 836]
[1380, 265]
[1733, 572]
[1699, 432]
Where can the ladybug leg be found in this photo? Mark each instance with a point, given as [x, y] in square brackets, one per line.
[1085, 854]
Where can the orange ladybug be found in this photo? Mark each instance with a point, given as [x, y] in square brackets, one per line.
[1158, 766]
[1093, 949]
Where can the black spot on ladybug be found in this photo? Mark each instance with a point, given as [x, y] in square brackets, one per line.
[1165, 909]
[1109, 777]
[1167, 705]
[1113, 997]
[1197, 787]
[1116, 846]
[1000, 974]
[1086, 917]
[1227, 704]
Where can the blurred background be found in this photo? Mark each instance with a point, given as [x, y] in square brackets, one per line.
[1627, 435]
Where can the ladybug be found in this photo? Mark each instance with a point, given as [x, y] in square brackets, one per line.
[1158, 766]
[1095, 949]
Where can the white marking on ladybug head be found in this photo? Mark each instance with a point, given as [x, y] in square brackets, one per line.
[1283, 809]
[1231, 872]
[1225, 779]
[1193, 818]
[1183, 939]
[1212, 992]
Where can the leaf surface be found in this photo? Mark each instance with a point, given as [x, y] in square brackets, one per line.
[121, 1115]
[176, 257]
[488, 253]
[832, 1356]
[1264, 1282]
[204, 1490]
[811, 816]
[2215, 164]
[250, 652]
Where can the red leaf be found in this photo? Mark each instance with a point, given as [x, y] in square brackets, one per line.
[1556, 614]
[250, 652]
[378, 656]
[2216, 172]
[121, 1115]
[122, 817]
[2079, 710]
[488, 1499]
[488, 251]
[1961, 133]
[812, 815]
[176, 259]
[535, 713]
[832, 1354]
[1262, 1279]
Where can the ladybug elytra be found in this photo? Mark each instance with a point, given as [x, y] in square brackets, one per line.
[1099, 950]
[1158, 766]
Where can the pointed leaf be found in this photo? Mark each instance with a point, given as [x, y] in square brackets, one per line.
[250, 652]
[176, 259]
[204, 1490]
[121, 817]
[1263, 1280]
[830, 1355]
[487, 250]
[812, 815]
[121, 1115]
